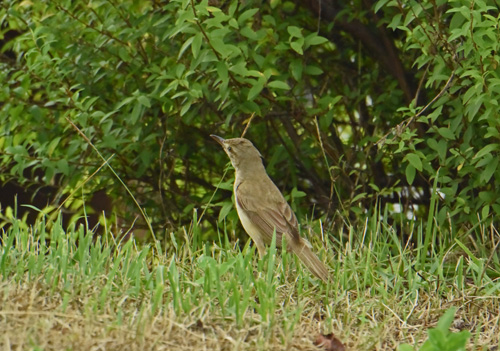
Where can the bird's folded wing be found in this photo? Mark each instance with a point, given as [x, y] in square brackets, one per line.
[274, 214]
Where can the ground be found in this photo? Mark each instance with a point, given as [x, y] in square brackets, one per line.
[78, 293]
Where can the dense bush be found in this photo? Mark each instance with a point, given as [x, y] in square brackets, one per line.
[353, 103]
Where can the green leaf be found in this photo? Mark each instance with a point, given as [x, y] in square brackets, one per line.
[196, 45]
[314, 39]
[437, 338]
[124, 102]
[254, 73]
[435, 114]
[53, 145]
[396, 21]
[275, 3]
[249, 33]
[227, 185]
[432, 144]
[297, 46]
[226, 208]
[278, 84]
[446, 320]
[487, 196]
[410, 174]
[233, 23]
[297, 193]
[124, 55]
[222, 71]
[184, 47]
[457, 341]
[136, 113]
[359, 197]
[246, 15]
[405, 347]
[296, 67]
[185, 107]
[414, 160]
[446, 133]
[144, 100]
[62, 166]
[49, 170]
[469, 253]
[313, 70]
[221, 47]
[428, 346]
[442, 148]
[295, 32]
[377, 7]
[486, 150]
[490, 169]
[240, 69]
[256, 89]
[213, 9]
[492, 132]
[485, 211]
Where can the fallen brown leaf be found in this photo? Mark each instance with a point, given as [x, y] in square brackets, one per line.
[329, 342]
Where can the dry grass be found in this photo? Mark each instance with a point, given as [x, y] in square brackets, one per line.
[33, 319]
[76, 294]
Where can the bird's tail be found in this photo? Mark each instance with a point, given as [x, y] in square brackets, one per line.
[302, 249]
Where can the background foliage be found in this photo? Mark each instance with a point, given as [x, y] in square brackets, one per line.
[355, 104]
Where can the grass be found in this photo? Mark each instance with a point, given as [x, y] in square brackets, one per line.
[72, 291]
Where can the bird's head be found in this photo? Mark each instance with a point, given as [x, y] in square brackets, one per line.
[241, 151]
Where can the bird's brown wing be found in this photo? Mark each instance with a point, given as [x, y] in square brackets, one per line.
[273, 212]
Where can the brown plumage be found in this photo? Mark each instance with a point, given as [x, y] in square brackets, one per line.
[261, 207]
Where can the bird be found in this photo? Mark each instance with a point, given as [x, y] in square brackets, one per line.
[261, 207]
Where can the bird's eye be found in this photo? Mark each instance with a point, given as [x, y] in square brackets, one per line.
[229, 148]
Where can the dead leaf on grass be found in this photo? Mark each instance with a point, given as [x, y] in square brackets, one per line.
[329, 342]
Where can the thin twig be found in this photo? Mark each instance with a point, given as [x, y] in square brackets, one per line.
[158, 248]
[211, 197]
[205, 35]
[160, 176]
[248, 125]
[404, 124]
[332, 179]
[85, 182]
[493, 252]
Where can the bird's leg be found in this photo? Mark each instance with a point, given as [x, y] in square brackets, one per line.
[260, 247]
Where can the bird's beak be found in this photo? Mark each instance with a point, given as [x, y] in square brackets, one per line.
[218, 139]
